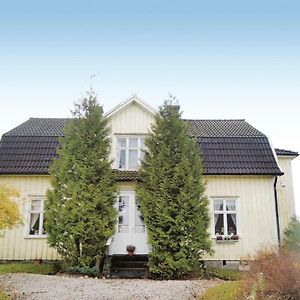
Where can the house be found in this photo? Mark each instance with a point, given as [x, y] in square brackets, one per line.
[249, 184]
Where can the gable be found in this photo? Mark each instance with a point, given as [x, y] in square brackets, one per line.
[132, 118]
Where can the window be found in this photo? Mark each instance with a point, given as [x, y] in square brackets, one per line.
[123, 221]
[225, 220]
[36, 218]
[130, 151]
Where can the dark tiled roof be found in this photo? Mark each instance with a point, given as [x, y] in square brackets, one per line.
[233, 147]
[227, 147]
[39, 127]
[282, 152]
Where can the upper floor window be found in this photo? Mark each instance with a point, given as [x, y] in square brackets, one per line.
[225, 217]
[130, 152]
[36, 217]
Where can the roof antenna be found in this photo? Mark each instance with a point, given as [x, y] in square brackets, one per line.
[91, 82]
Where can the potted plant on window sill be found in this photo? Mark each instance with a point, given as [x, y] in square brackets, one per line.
[225, 238]
[130, 250]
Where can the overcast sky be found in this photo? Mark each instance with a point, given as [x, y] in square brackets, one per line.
[221, 59]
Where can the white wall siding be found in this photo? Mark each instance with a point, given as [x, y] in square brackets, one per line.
[14, 245]
[286, 202]
[132, 119]
[256, 214]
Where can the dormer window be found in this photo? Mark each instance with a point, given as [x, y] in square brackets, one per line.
[130, 152]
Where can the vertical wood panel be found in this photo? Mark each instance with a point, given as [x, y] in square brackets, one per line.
[256, 213]
[13, 244]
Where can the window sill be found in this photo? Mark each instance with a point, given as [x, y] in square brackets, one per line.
[226, 240]
[35, 236]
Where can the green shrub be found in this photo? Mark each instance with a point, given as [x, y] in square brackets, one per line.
[88, 271]
[292, 236]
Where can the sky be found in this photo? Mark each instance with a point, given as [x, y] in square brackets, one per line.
[221, 59]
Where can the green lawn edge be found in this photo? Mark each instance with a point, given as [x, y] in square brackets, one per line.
[43, 268]
[225, 291]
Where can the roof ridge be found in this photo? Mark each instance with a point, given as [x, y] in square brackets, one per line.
[215, 120]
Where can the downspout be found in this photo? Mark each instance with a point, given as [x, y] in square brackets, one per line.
[276, 211]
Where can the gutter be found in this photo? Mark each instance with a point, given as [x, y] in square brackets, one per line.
[276, 211]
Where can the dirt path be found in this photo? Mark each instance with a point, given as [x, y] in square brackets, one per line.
[41, 287]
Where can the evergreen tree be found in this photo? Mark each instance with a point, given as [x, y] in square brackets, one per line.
[171, 195]
[80, 214]
[292, 236]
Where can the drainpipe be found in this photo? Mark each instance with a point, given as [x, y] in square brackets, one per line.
[276, 211]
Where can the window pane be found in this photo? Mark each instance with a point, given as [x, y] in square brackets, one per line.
[121, 159]
[36, 205]
[133, 160]
[44, 230]
[142, 143]
[218, 205]
[231, 223]
[34, 223]
[123, 214]
[219, 224]
[121, 142]
[230, 205]
[138, 216]
[133, 143]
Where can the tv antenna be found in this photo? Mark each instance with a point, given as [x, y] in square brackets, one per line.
[91, 82]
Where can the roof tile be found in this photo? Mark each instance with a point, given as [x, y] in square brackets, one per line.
[227, 147]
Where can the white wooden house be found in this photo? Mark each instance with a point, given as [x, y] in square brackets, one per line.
[249, 184]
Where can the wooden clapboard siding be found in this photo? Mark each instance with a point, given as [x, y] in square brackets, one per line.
[14, 245]
[286, 203]
[131, 120]
[256, 214]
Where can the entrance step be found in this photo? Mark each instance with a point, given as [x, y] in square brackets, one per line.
[125, 266]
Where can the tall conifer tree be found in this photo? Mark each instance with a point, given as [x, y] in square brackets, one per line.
[171, 195]
[80, 213]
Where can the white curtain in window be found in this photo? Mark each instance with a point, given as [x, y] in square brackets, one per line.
[230, 205]
[233, 218]
[34, 218]
[218, 205]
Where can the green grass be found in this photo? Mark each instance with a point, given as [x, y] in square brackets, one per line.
[45, 269]
[225, 291]
[3, 296]
[224, 274]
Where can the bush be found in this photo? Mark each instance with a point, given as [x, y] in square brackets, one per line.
[274, 275]
[88, 271]
[292, 236]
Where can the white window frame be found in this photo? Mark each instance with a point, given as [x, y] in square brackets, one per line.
[224, 212]
[127, 148]
[41, 212]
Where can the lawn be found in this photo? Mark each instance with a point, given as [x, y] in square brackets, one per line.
[225, 291]
[45, 269]
[3, 295]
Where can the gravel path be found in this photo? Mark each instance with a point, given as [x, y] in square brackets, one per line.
[41, 287]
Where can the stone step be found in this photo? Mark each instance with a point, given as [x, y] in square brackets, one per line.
[129, 264]
[137, 257]
[125, 266]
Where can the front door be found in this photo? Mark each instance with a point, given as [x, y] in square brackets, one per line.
[130, 229]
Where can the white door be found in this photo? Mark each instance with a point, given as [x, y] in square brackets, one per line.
[130, 229]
